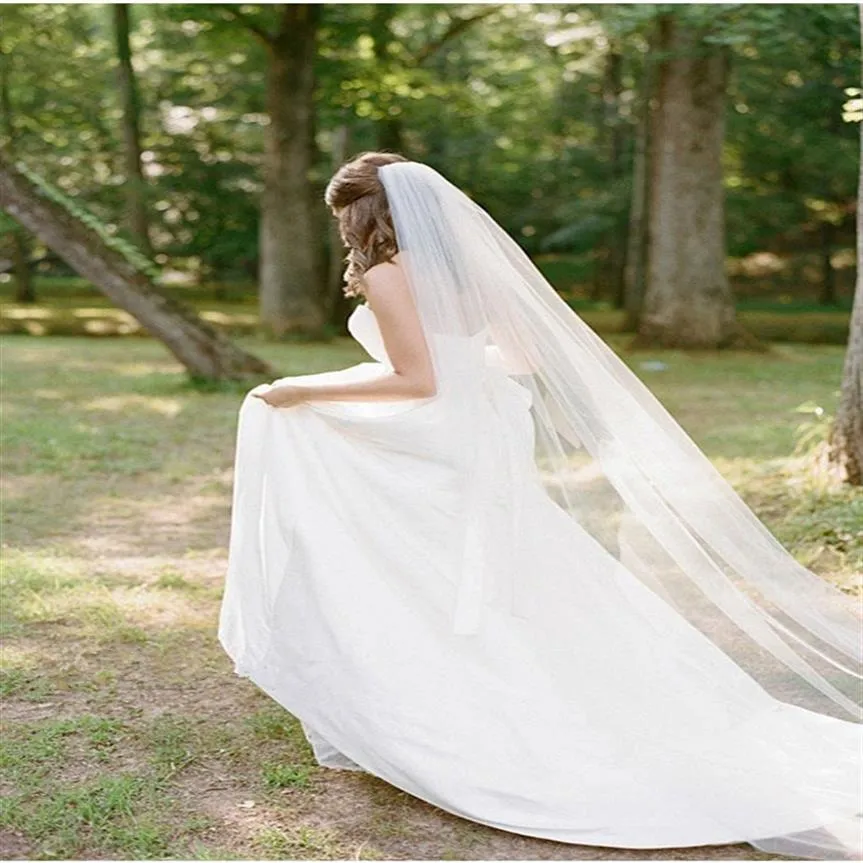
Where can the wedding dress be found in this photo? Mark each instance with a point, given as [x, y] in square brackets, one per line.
[478, 598]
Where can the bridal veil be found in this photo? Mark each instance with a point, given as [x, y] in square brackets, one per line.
[616, 461]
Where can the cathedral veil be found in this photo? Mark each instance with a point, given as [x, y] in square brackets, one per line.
[611, 456]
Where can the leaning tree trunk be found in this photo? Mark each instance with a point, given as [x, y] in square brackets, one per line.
[688, 301]
[846, 437]
[205, 352]
[136, 205]
[290, 277]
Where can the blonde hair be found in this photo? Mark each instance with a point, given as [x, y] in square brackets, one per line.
[357, 196]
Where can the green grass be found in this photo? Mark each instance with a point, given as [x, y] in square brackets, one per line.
[65, 814]
[104, 813]
[125, 732]
[285, 776]
[305, 842]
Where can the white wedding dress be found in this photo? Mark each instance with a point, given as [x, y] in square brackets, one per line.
[597, 715]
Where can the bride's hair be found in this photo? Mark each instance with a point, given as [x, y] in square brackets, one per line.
[357, 195]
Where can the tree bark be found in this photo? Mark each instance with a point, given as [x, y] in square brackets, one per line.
[634, 274]
[25, 291]
[205, 352]
[290, 277]
[136, 220]
[688, 301]
[846, 436]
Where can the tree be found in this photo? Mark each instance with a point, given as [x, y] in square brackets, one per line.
[113, 268]
[791, 163]
[390, 128]
[290, 275]
[634, 275]
[610, 274]
[290, 269]
[136, 205]
[509, 106]
[846, 438]
[688, 301]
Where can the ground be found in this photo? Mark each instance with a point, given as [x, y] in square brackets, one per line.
[125, 732]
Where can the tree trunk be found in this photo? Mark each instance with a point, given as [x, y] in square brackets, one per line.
[827, 297]
[389, 129]
[24, 290]
[688, 301]
[600, 268]
[290, 277]
[846, 436]
[636, 254]
[136, 220]
[205, 352]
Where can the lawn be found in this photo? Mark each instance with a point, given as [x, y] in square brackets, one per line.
[71, 306]
[125, 732]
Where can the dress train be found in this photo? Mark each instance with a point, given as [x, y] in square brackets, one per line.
[597, 715]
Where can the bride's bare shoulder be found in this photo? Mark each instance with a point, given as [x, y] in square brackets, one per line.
[388, 273]
[387, 289]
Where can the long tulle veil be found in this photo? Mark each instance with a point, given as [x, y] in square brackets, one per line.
[608, 453]
[613, 458]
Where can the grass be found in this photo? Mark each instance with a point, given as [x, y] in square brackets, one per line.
[125, 732]
[72, 307]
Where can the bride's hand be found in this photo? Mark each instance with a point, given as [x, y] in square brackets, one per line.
[281, 397]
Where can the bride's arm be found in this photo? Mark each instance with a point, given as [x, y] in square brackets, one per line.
[389, 296]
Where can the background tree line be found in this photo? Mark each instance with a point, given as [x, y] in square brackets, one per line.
[644, 154]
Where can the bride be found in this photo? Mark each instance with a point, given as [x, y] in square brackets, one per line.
[489, 568]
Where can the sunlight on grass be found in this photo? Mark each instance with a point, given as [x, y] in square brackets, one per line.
[72, 315]
[38, 588]
[25, 312]
[163, 406]
[224, 318]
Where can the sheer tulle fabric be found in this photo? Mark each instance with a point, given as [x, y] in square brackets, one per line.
[531, 600]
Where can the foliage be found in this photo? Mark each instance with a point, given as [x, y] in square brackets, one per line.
[512, 102]
[119, 244]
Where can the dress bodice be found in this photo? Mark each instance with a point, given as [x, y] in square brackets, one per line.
[363, 326]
